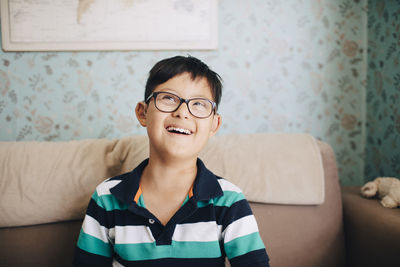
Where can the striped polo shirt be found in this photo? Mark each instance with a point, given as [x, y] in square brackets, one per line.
[214, 222]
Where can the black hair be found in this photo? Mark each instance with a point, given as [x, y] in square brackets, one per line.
[171, 67]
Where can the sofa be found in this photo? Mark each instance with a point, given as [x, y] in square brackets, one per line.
[304, 216]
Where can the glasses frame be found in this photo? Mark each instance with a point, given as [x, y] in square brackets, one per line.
[182, 100]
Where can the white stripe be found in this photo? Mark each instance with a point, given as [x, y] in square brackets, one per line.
[116, 263]
[104, 187]
[133, 234]
[243, 226]
[92, 227]
[197, 232]
[228, 186]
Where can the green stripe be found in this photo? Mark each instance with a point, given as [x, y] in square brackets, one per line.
[108, 202]
[149, 251]
[141, 202]
[186, 200]
[93, 245]
[227, 200]
[242, 245]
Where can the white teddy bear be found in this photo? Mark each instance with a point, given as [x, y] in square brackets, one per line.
[387, 189]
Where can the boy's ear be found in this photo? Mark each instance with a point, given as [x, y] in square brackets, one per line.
[217, 120]
[140, 111]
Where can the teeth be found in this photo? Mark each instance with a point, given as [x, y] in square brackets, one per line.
[180, 130]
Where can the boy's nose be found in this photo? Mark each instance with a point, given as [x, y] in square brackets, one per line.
[182, 111]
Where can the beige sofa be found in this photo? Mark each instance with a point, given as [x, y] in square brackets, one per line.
[291, 181]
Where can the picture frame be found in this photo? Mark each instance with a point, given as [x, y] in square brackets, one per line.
[107, 25]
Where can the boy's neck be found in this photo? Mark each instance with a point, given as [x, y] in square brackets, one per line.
[169, 175]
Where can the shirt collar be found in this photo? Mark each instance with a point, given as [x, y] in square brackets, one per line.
[205, 186]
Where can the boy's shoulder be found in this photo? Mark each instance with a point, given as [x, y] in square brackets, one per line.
[104, 187]
[231, 193]
[228, 186]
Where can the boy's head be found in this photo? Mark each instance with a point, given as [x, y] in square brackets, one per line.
[171, 67]
[179, 110]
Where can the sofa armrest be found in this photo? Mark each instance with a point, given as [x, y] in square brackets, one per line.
[372, 232]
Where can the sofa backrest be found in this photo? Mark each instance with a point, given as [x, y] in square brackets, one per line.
[306, 235]
[44, 182]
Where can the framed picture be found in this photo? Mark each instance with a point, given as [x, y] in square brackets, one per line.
[85, 25]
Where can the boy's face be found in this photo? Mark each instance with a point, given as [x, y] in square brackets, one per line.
[163, 140]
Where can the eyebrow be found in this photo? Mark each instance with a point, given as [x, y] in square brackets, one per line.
[172, 91]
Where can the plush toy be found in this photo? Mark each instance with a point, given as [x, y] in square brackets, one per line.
[387, 189]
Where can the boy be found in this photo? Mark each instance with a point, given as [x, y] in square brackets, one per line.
[171, 210]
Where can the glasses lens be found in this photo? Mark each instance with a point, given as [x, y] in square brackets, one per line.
[167, 102]
[200, 107]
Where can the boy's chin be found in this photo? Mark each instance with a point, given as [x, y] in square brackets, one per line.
[183, 154]
[179, 147]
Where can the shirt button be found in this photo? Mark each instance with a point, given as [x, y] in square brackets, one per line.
[151, 221]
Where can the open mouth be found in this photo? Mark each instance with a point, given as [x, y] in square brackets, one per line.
[177, 130]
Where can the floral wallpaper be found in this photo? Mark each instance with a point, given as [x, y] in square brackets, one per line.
[287, 66]
[383, 99]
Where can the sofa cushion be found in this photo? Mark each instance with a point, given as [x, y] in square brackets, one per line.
[270, 168]
[43, 182]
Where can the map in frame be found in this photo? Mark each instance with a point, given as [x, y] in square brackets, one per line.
[79, 25]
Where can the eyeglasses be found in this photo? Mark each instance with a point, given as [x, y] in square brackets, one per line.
[167, 102]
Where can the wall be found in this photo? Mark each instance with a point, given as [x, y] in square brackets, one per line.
[288, 66]
[383, 101]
